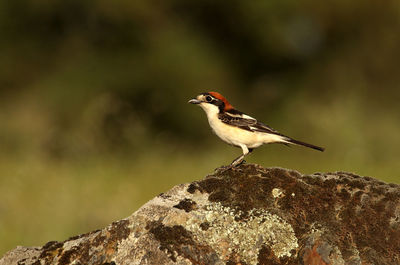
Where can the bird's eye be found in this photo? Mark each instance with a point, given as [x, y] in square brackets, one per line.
[208, 98]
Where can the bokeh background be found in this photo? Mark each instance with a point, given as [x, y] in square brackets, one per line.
[94, 119]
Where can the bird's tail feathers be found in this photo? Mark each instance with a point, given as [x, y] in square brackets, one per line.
[297, 142]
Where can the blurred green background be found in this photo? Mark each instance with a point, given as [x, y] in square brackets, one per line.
[94, 119]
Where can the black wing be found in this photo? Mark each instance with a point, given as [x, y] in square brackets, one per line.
[245, 122]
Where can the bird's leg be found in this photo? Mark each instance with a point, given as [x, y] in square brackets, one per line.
[244, 161]
[240, 159]
[237, 161]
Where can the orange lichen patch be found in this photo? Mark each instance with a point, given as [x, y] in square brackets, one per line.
[312, 257]
[217, 95]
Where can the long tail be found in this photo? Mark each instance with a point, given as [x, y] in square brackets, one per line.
[293, 141]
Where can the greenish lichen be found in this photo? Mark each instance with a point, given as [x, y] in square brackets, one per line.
[228, 234]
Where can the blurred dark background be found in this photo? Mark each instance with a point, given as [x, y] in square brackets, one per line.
[94, 119]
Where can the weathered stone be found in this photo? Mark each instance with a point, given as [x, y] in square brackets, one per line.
[247, 215]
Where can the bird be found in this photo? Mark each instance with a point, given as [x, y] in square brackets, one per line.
[239, 129]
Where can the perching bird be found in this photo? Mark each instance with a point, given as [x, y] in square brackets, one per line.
[238, 129]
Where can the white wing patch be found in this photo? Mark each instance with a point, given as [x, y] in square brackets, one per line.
[248, 117]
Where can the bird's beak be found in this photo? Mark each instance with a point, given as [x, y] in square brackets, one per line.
[194, 101]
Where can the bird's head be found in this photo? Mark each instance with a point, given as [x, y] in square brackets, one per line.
[212, 102]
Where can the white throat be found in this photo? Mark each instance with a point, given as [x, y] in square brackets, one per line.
[210, 109]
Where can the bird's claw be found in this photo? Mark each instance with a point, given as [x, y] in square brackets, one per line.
[222, 169]
[230, 166]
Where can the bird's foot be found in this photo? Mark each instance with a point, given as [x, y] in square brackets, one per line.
[234, 164]
[222, 169]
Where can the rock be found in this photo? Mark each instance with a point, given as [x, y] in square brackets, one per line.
[247, 215]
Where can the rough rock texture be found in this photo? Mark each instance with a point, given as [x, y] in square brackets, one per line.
[247, 215]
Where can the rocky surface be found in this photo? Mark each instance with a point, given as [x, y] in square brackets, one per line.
[246, 215]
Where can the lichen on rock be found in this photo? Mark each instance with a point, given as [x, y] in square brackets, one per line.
[228, 233]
